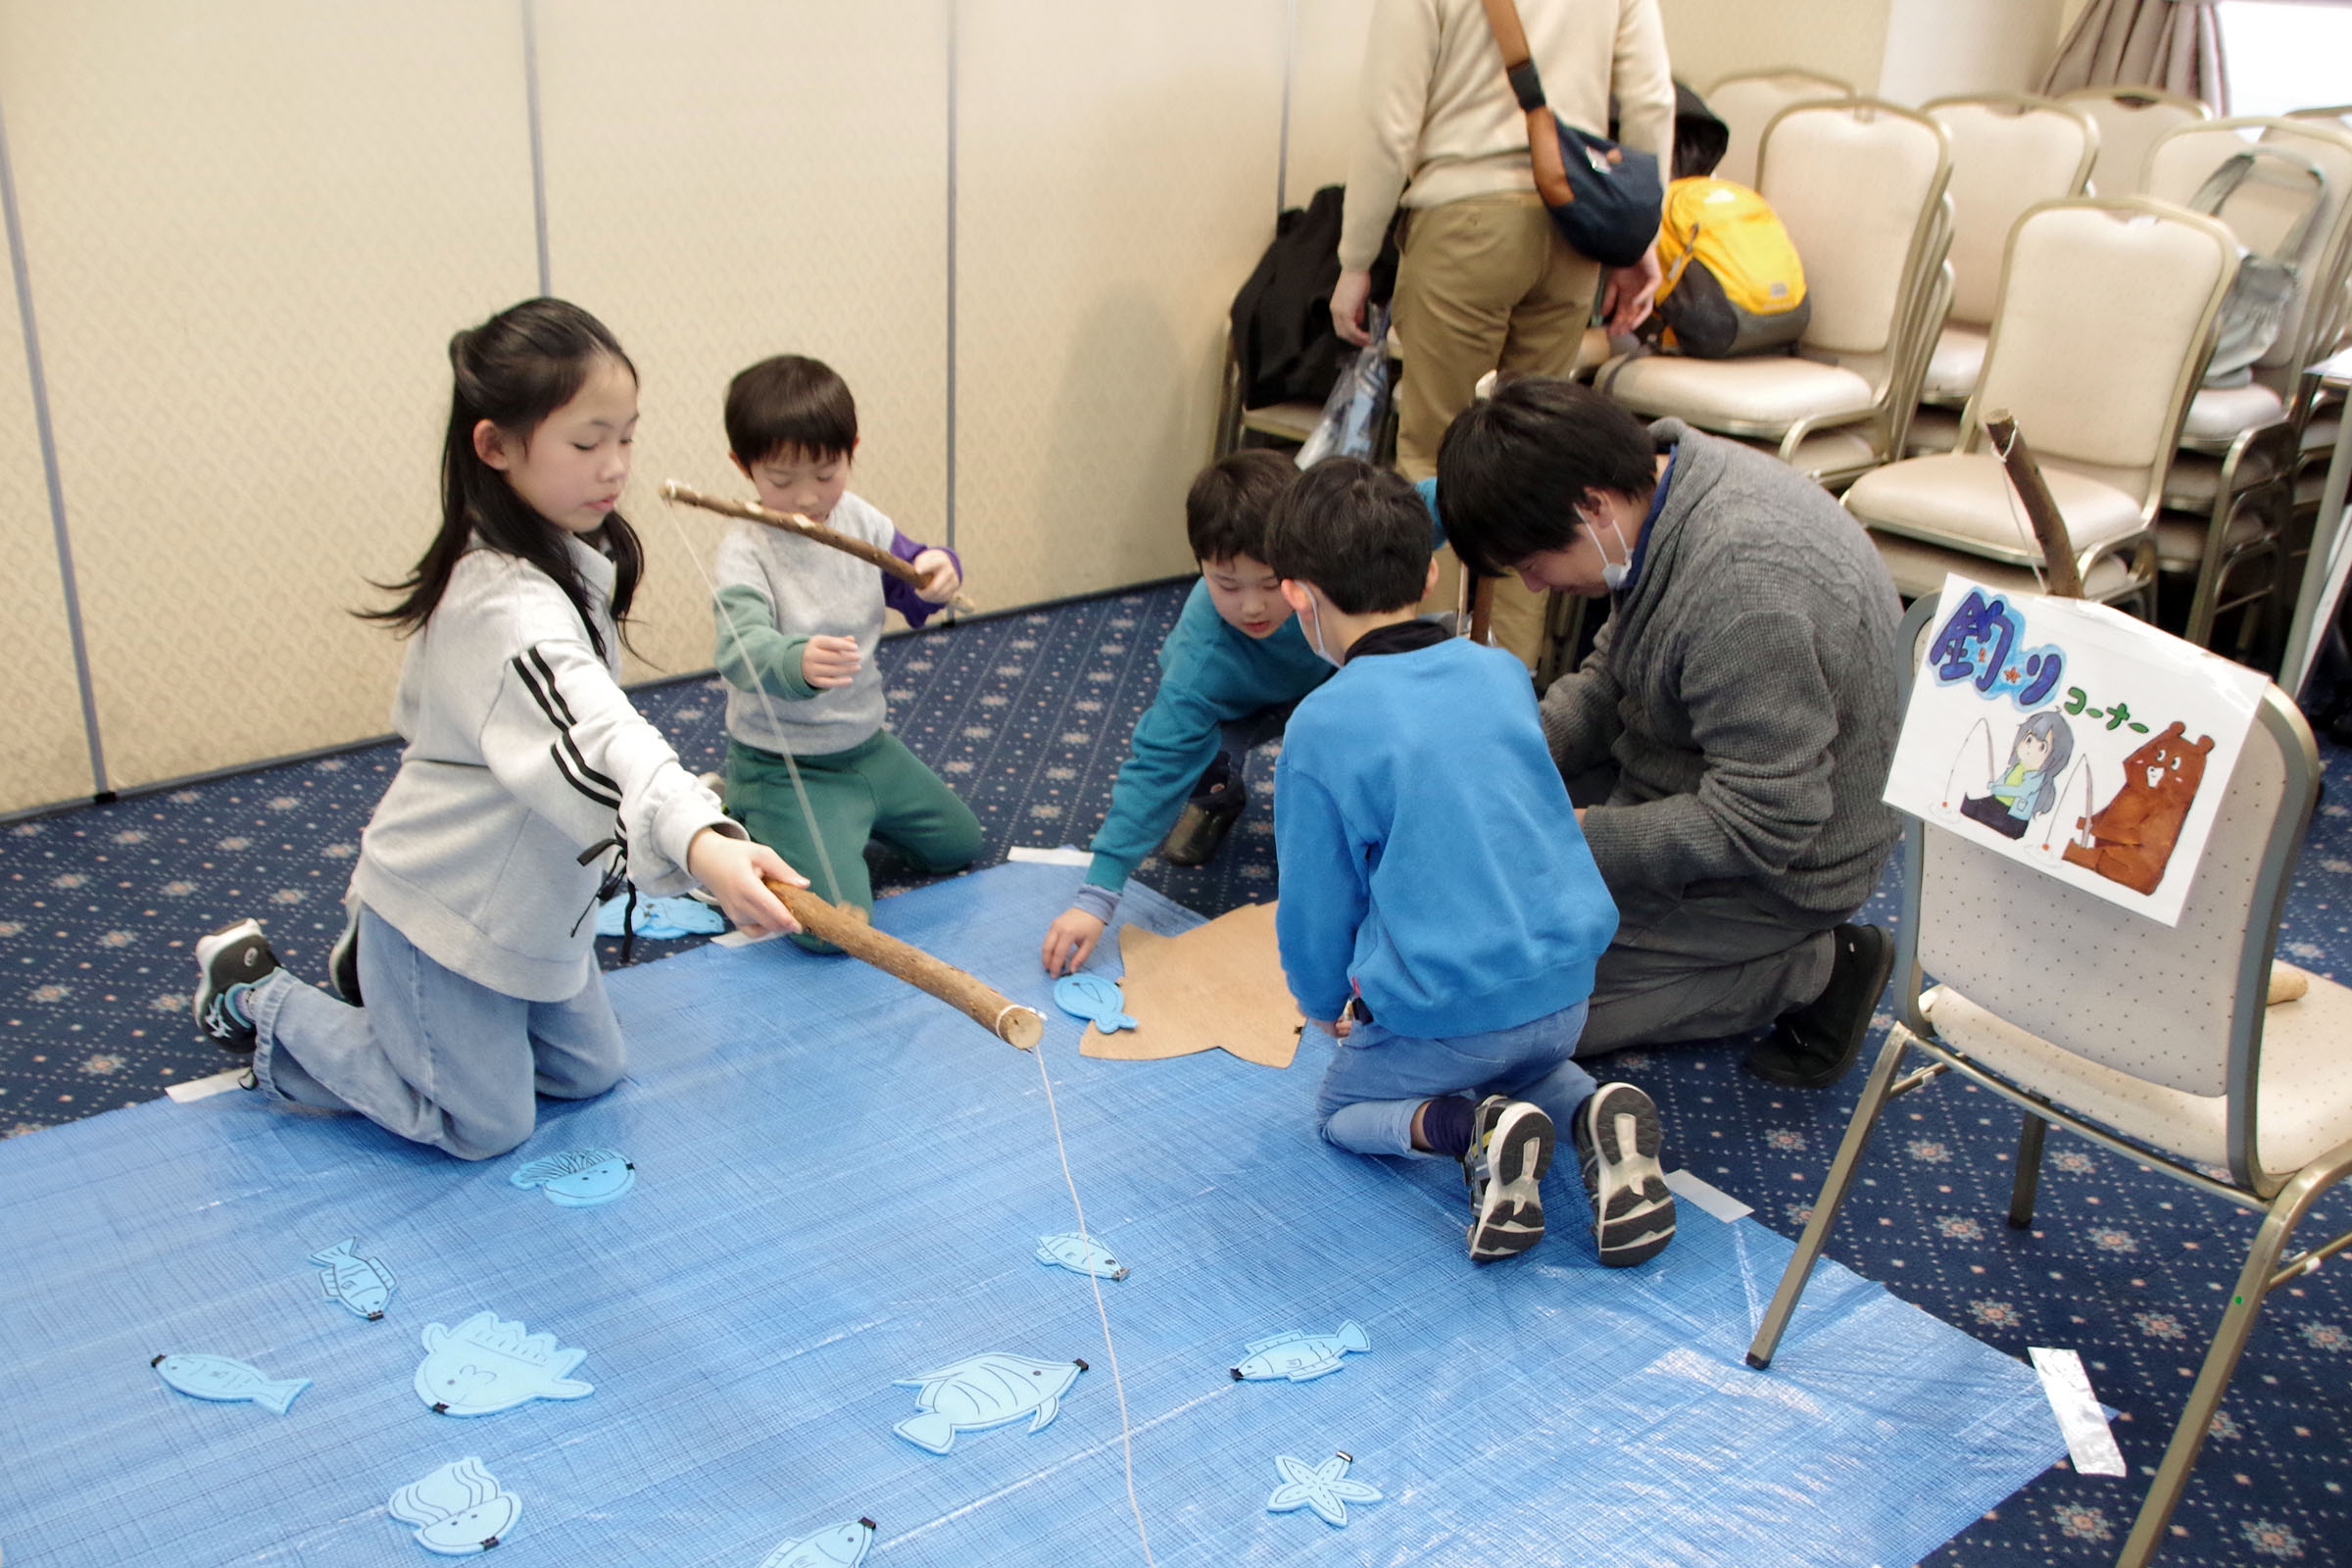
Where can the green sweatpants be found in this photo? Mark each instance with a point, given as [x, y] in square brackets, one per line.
[878, 789]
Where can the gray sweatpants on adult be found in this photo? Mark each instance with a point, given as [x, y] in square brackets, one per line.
[434, 1057]
[1700, 966]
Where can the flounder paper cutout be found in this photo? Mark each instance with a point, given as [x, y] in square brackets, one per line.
[834, 1546]
[1219, 986]
[1080, 1254]
[458, 1510]
[1324, 1488]
[986, 1390]
[579, 1178]
[484, 1365]
[1091, 996]
[227, 1381]
[1298, 1356]
[362, 1284]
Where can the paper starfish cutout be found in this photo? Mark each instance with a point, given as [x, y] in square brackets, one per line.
[1323, 1487]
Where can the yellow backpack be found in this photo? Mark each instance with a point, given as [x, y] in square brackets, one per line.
[1733, 282]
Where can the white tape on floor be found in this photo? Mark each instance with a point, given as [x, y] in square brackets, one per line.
[2080, 1418]
[1034, 855]
[1714, 1200]
[218, 1082]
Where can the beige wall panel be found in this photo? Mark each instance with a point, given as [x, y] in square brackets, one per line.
[47, 756]
[1711, 39]
[729, 180]
[250, 230]
[1117, 159]
[1326, 67]
[1944, 48]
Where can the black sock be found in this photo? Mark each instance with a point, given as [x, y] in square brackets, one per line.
[1446, 1125]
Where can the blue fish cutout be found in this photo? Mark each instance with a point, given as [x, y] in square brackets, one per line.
[1324, 1488]
[834, 1546]
[1080, 1254]
[1298, 1356]
[986, 1390]
[362, 1284]
[579, 1178]
[458, 1510]
[663, 919]
[1089, 995]
[216, 1377]
[485, 1365]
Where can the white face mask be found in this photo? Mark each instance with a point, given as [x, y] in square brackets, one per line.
[1612, 573]
[1314, 636]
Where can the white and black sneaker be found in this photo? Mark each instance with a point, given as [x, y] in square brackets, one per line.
[1512, 1140]
[229, 963]
[1617, 1142]
[343, 958]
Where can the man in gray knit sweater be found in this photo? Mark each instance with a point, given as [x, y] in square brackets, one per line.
[1732, 724]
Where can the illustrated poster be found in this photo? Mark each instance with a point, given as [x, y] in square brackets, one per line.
[2067, 736]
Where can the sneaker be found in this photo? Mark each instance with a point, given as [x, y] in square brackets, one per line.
[1813, 1046]
[343, 960]
[1507, 1207]
[1482, 1119]
[1216, 804]
[230, 963]
[1617, 1143]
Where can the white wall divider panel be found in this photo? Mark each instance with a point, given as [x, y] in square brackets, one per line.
[250, 230]
[1116, 159]
[728, 179]
[1708, 40]
[1327, 68]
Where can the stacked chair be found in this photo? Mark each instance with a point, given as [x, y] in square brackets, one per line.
[2008, 154]
[2101, 331]
[1746, 103]
[2130, 121]
[1859, 184]
[2230, 492]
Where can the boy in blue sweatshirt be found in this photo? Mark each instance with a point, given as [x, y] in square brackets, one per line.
[1228, 674]
[1441, 915]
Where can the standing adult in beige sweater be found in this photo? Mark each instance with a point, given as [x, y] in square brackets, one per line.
[1486, 282]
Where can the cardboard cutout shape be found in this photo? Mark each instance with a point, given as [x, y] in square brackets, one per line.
[1219, 986]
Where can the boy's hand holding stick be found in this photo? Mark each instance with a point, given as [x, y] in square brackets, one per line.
[847, 930]
[794, 522]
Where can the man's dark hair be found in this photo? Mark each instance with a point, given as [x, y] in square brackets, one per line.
[1358, 534]
[1512, 470]
[1226, 510]
[790, 402]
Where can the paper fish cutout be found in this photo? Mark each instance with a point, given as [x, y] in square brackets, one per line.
[484, 1365]
[579, 1178]
[986, 1390]
[1218, 987]
[1080, 1254]
[1089, 995]
[1298, 1356]
[362, 1284]
[460, 1509]
[663, 919]
[216, 1377]
[834, 1546]
[1324, 1488]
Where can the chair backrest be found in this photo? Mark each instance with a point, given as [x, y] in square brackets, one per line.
[2008, 154]
[1859, 185]
[2264, 210]
[2178, 1006]
[1746, 103]
[2105, 321]
[2131, 120]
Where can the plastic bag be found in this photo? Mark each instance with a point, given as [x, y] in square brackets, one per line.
[1359, 403]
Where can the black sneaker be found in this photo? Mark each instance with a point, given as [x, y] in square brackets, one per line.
[1813, 1046]
[1508, 1206]
[1617, 1143]
[343, 960]
[1217, 803]
[229, 963]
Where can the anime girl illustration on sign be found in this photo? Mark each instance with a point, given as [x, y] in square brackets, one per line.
[2028, 787]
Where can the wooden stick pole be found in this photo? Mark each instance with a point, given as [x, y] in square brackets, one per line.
[807, 528]
[986, 1006]
[2041, 509]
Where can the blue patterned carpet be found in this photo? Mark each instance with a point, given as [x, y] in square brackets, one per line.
[1028, 716]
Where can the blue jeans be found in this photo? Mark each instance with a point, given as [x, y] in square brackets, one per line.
[434, 1057]
[1377, 1079]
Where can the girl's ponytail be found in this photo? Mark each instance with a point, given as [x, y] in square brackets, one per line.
[515, 369]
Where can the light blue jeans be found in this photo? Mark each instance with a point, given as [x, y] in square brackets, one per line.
[434, 1057]
[1378, 1078]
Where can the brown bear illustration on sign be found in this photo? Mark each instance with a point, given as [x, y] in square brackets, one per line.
[2131, 836]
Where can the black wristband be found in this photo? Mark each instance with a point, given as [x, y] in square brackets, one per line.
[1527, 85]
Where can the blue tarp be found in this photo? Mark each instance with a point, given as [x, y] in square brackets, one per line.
[841, 1184]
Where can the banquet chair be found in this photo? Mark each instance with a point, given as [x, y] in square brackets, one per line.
[1748, 103]
[2130, 121]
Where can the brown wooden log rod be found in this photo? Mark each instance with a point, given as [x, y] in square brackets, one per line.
[807, 528]
[990, 1008]
[2041, 509]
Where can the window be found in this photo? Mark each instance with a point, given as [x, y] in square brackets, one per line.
[2283, 55]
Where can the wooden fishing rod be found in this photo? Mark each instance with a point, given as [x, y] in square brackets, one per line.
[807, 528]
[985, 1005]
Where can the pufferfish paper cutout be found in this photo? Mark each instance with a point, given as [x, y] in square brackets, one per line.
[579, 1178]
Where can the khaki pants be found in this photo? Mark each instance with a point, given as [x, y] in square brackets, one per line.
[1486, 283]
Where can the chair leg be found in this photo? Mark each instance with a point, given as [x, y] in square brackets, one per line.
[1833, 1193]
[2028, 1172]
[2221, 1359]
